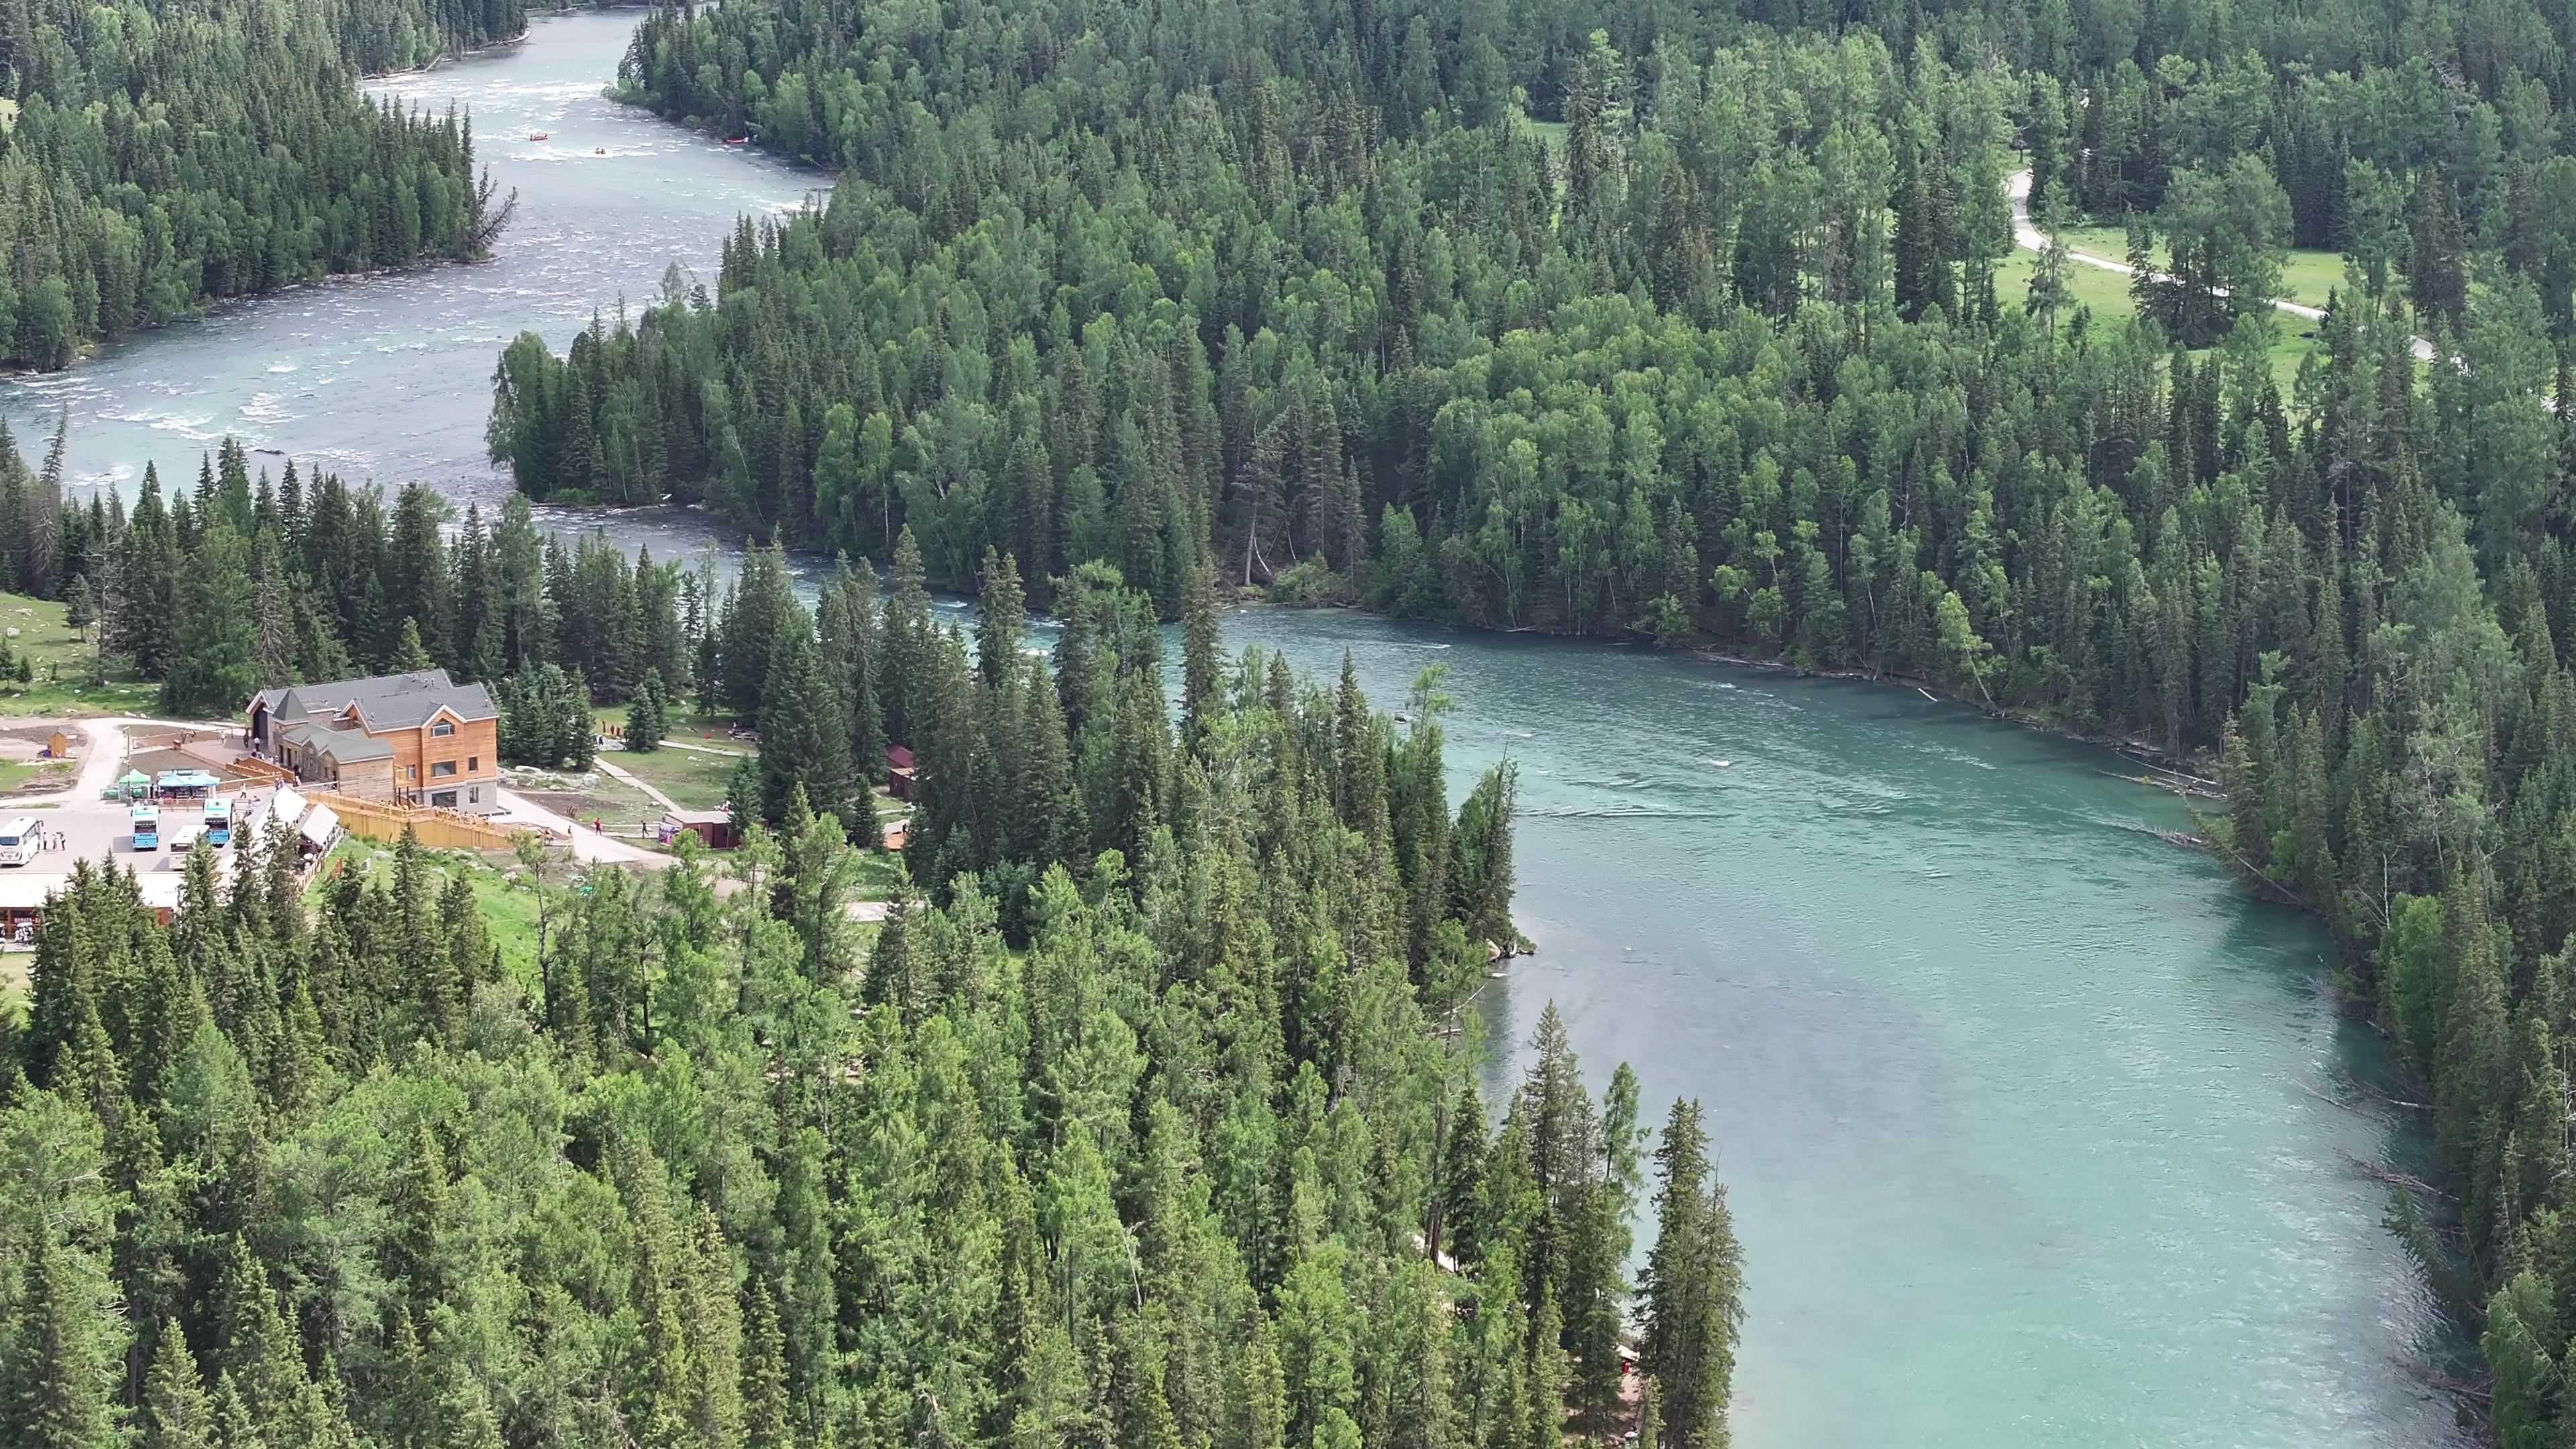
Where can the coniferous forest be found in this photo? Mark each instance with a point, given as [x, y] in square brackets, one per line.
[1706, 324]
[1147, 1117]
[1136, 1123]
[160, 155]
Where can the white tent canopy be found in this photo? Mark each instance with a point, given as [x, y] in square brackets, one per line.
[321, 826]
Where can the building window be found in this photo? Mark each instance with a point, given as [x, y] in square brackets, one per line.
[411, 772]
[444, 799]
[473, 794]
[473, 764]
[442, 769]
[443, 728]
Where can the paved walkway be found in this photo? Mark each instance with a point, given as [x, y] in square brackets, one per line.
[622, 775]
[587, 844]
[104, 759]
[672, 744]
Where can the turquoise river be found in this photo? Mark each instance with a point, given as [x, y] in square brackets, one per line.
[2039, 1132]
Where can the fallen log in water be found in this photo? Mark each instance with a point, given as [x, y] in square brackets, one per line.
[2392, 1177]
[2183, 838]
[2433, 1378]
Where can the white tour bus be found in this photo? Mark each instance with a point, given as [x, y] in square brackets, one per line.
[18, 841]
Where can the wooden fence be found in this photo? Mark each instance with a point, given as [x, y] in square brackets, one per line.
[441, 829]
[261, 772]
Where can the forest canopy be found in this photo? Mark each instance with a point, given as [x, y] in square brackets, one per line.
[163, 154]
[1716, 325]
[1177, 1144]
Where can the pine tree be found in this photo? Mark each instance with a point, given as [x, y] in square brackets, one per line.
[1200, 644]
[410, 654]
[644, 715]
[176, 1411]
[1005, 620]
[804, 742]
[1693, 1288]
[743, 795]
[60, 1351]
[214, 666]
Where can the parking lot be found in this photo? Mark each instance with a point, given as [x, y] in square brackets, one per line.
[79, 824]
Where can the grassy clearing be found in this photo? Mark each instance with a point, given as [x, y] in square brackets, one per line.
[69, 679]
[2106, 295]
[2308, 275]
[1550, 134]
[877, 872]
[35, 776]
[695, 778]
[684, 724]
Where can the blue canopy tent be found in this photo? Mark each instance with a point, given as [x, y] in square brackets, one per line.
[184, 785]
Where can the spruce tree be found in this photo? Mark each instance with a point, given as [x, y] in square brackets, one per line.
[176, 1412]
[1694, 1285]
[214, 665]
[804, 742]
[644, 715]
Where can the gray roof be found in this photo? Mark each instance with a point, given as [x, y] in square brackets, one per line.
[345, 746]
[386, 702]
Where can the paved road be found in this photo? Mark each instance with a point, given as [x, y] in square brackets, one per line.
[2028, 236]
[104, 760]
[587, 844]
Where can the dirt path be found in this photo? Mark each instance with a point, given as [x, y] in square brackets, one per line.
[2028, 236]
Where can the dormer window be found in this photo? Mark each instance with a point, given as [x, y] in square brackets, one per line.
[443, 728]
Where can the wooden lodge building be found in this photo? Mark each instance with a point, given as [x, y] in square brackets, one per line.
[415, 739]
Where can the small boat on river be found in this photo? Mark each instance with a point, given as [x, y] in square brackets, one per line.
[536, 135]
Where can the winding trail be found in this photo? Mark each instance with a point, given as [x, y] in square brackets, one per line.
[2028, 236]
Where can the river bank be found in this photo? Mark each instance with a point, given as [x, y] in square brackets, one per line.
[2038, 1131]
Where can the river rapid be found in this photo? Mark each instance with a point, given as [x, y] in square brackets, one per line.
[2037, 1130]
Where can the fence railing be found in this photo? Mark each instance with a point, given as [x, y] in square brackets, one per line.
[442, 829]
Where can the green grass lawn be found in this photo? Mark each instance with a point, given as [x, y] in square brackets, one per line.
[68, 678]
[2106, 294]
[2307, 274]
[695, 778]
[2310, 277]
[35, 775]
[685, 724]
[1550, 134]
